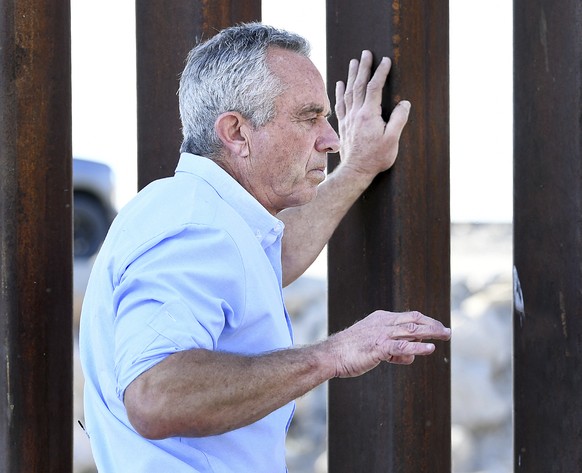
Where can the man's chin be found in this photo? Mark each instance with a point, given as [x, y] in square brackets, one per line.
[317, 175]
[304, 199]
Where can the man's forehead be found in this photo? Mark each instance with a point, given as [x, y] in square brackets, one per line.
[289, 65]
[303, 83]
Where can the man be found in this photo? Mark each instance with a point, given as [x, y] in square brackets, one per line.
[185, 341]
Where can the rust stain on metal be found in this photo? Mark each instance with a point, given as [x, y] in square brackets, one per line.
[396, 13]
[396, 47]
[396, 36]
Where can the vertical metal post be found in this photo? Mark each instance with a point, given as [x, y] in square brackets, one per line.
[165, 32]
[35, 237]
[547, 235]
[392, 251]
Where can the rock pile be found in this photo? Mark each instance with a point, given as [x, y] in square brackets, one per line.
[481, 349]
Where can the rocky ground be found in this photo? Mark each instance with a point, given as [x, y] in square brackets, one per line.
[481, 268]
[481, 263]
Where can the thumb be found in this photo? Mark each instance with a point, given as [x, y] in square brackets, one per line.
[398, 119]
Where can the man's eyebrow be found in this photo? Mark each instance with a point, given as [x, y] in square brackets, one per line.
[314, 108]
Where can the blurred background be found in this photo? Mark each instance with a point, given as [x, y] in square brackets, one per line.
[104, 131]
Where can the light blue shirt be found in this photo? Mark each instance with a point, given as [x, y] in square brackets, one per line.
[193, 261]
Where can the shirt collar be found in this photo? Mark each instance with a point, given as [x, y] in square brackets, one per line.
[265, 226]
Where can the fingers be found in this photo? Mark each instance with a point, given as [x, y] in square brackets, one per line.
[406, 340]
[404, 333]
[344, 92]
[412, 325]
[404, 352]
[359, 88]
[412, 331]
[362, 80]
[373, 88]
[352, 73]
[394, 337]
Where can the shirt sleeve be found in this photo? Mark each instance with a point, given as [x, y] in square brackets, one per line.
[179, 294]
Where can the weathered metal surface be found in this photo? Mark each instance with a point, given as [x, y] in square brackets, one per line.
[393, 249]
[548, 235]
[166, 31]
[35, 237]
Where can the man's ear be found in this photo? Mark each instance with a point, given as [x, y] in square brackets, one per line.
[232, 130]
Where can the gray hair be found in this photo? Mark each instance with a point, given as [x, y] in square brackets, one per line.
[228, 73]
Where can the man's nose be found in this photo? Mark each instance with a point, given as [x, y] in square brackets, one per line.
[329, 141]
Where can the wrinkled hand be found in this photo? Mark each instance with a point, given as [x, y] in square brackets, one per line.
[369, 145]
[384, 336]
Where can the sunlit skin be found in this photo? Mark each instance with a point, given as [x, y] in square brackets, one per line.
[287, 157]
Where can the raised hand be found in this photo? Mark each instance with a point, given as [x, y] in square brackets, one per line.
[369, 145]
